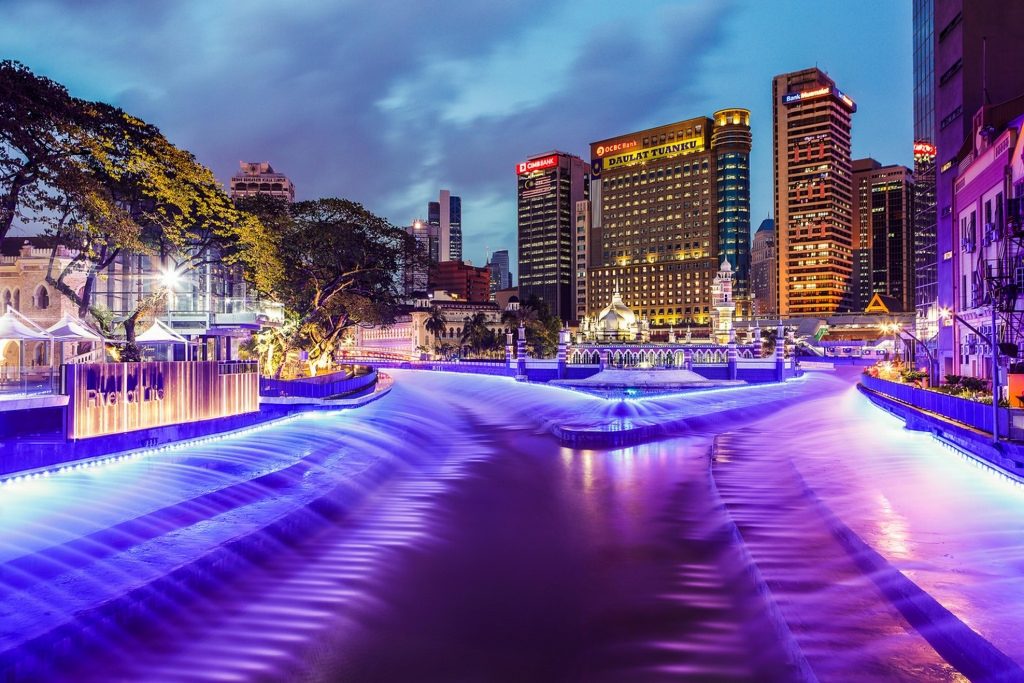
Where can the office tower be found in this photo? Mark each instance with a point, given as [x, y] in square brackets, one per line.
[446, 216]
[883, 246]
[501, 277]
[259, 177]
[463, 281]
[581, 256]
[924, 171]
[978, 50]
[764, 270]
[730, 138]
[813, 193]
[549, 186]
[417, 275]
[660, 200]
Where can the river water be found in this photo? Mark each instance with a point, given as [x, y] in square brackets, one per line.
[489, 552]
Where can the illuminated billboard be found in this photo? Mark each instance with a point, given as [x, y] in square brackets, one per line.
[538, 164]
[612, 147]
[113, 398]
[790, 98]
[924, 151]
[666, 151]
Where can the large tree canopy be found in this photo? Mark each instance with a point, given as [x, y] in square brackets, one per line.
[340, 265]
[105, 183]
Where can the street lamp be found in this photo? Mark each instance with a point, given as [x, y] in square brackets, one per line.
[993, 342]
[169, 277]
[932, 365]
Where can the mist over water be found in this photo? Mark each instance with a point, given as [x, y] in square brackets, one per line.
[443, 534]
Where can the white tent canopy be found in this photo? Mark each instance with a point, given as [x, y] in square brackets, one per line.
[13, 327]
[160, 333]
[71, 329]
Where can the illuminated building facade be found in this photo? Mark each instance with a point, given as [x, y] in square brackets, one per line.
[501, 276]
[549, 188]
[259, 177]
[978, 49]
[445, 216]
[669, 204]
[417, 275]
[924, 174]
[813, 193]
[883, 237]
[764, 270]
[581, 256]
[463, 282]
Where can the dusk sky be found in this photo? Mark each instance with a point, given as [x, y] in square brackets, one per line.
[387, 102]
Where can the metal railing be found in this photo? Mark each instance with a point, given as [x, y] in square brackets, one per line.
[27, 380]
[964, 410]
[321, 386]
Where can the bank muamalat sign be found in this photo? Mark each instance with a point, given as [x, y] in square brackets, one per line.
[539, 164]
[666, 151]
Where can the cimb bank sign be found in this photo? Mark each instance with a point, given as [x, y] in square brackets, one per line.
[113, 398]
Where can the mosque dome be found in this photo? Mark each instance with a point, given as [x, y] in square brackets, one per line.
[616, 316]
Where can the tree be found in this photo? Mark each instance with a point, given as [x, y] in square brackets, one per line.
[477, 335]
[106, 183]
[436, 324]
[339, 264]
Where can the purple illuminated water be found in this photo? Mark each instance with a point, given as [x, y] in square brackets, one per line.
[461, 542]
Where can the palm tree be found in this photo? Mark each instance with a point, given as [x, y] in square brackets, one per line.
[476, 334]
[436, 324]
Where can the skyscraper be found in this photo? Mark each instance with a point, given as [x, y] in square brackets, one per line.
[581, 256]
[549, 186]
[416, 276]
[883, 247]
[924, 171]
[813, 193]
[446, 215]
[764, 270]
[978, 49]
[259, 177]
[669, 205]
[501, 276]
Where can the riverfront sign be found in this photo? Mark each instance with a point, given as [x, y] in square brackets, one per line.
[112, 398]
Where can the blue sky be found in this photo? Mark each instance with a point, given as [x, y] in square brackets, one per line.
[386, 102]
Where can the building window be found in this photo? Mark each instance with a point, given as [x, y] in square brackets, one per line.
[42, 298]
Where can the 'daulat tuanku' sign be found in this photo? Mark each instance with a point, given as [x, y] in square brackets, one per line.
[671, 149]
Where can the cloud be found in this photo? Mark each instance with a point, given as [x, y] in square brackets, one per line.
[383, 102]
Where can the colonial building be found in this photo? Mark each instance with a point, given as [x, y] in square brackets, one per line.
[410, 336]
[259, 177]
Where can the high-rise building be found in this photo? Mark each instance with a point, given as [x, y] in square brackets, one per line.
[978, 49]
[582, 256]
[259, 177]
[416, 278]
[764, 270]
[924, 172]
[549, 186]
[813, 193]
[501, 276]
[669, 204]
[446, 216]
[883, 246]
[463, 281]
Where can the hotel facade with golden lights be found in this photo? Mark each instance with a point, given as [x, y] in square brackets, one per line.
[668, 205]
[813, 193]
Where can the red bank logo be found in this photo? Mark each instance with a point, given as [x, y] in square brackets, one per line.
[601, 150]
[537, 164]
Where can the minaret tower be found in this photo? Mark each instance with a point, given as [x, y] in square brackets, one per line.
[722, 304]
